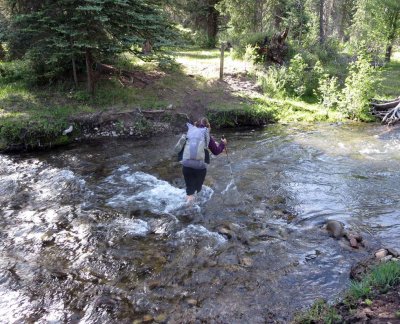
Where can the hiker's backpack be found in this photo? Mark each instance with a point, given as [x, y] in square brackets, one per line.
[195, 146]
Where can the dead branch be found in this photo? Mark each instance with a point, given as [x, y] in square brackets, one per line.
[388, 111]
[109, 69]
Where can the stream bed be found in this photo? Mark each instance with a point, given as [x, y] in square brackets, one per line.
[99, 232]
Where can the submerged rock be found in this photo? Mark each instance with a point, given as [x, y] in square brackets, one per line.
[335, 229]
[192, 302]
[394, 252]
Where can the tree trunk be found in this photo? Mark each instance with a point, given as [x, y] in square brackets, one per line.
[392, 36]
[89, 71]
[321, 22]
[74, 71]
[388, 53]
[301, 8]
[2, 52]
[212, 23]
[258, 16]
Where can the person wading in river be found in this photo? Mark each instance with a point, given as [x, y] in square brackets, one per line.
[192, 149]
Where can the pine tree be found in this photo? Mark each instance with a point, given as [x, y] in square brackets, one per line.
[69, 30]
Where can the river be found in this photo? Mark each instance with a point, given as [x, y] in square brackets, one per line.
[99, 232]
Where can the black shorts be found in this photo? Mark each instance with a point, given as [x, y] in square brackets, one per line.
[194, 179]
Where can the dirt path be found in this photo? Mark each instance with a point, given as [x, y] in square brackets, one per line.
[236, 88]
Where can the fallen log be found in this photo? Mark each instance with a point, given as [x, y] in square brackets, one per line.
[387, 111]
[275, 50]
[109, 69]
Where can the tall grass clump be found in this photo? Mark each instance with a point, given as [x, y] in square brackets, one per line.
[381, 278]
[320, 312]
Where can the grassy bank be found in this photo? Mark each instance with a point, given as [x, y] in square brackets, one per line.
[389, 86]
[31, 116]
[373, 290]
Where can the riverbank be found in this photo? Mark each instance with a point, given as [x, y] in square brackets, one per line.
[153, 102]
[373, 296]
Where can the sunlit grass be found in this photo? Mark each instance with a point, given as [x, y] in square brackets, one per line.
[389, 86]
[292, 110]
[206, 63]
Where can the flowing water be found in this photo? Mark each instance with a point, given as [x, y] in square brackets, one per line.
[100, 233]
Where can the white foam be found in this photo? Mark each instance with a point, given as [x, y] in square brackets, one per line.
[132, 227]
[193, 231]
[147, 192]
[55, 313]
[13, 306]
[123, 168]
[230, 185]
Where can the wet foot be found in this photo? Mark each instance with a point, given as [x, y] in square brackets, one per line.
[190, 200]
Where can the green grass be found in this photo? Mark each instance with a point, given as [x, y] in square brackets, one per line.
[27, 111]
[389, 87]
[288, 110]
[381, 278]
[320, 311]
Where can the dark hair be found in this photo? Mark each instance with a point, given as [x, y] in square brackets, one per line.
[202, 122]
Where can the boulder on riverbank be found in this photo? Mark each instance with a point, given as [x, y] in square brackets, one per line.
[336, 230]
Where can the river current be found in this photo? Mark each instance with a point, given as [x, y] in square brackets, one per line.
[99, 232]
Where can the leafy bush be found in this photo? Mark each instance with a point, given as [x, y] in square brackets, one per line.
[18, 70]
[273, 81]
[168, 63]
[328, 91]
[243, 42]
[295, 76]
[201, 39]
[251, 54]
[359, 89]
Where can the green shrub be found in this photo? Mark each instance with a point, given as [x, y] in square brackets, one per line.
[201, 39]
[242, 42]
[295, 76]
[252, 55]
[18, 70]
[273, 81]
[168, 63]
[328, 91]
[359, 89]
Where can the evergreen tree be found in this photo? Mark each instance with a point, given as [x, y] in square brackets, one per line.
[377, 24]
[69, 30]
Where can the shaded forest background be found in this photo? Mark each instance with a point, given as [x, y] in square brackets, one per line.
[326, 51]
